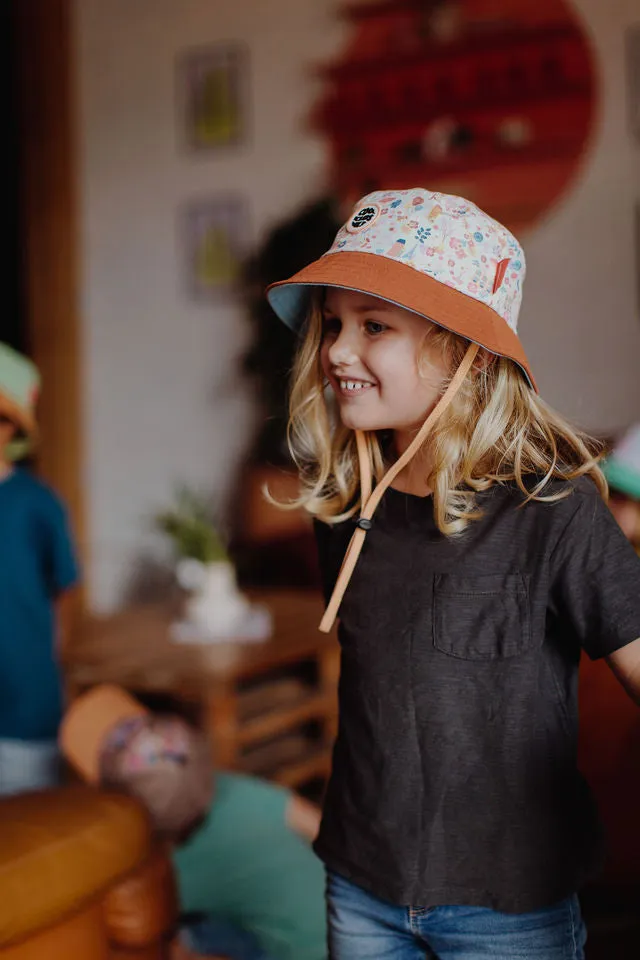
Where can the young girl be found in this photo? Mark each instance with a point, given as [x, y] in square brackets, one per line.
[470, 557]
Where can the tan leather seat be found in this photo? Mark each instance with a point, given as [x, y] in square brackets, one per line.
[79, 877]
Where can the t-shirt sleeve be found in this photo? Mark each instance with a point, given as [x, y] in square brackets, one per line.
[596, 578]
[61, 563]
[252, 799]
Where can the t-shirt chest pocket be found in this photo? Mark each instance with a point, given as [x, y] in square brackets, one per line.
[481, 617]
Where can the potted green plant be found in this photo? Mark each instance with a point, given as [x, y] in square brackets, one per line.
[215, 606]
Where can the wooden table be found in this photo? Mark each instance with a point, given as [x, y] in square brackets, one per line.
[251, 698]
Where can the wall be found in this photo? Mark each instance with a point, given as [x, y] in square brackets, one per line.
[581, 320]
[163, 401]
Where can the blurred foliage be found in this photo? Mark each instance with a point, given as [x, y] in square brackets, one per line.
[290, 246]
[192, 530]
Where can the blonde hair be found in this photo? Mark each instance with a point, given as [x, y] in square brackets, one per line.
[497, 430]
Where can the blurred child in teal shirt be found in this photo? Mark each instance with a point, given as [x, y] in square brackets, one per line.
[249, 884]
[37, 566]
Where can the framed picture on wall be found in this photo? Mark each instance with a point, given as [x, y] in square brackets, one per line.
[214, 239]
[213, 96]
[633, 78]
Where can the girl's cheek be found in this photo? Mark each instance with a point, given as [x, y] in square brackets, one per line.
[324, 359]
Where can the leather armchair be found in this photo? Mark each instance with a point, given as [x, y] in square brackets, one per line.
[81, 878]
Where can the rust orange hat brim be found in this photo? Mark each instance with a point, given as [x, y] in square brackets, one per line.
[406, 287]
[87, 723]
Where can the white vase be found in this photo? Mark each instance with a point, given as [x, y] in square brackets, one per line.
[215, 604]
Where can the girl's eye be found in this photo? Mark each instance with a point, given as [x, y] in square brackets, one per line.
[330, 326]
[375, 328]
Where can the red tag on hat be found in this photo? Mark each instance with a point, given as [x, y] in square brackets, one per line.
[501, 270]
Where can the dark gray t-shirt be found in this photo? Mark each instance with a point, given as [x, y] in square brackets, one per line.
[455, 775]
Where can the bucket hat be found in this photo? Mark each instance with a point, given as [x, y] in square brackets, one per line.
[90, 721]
[437, 255]
[112, 739]
[19, 389]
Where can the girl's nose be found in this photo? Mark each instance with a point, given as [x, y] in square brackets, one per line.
[342, 351]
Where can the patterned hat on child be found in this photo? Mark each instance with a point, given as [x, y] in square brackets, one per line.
[110, 738]
[19, 389]
[437, 255]
[622, 468]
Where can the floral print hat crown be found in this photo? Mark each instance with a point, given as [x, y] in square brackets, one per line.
[437, 255]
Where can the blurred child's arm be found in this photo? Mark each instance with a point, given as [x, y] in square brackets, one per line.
[64, 617]
[62, 569]
[625, 663]
[302, 817]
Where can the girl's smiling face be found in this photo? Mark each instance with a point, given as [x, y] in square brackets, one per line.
[385, 373]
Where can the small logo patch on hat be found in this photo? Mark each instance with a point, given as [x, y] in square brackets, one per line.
[363, 218]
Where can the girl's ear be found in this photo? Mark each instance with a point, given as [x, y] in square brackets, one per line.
[484, 360]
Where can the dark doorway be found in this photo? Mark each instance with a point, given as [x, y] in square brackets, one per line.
[12, 325]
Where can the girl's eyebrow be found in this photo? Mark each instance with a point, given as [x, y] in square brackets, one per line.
[378, 307]
[381, 307]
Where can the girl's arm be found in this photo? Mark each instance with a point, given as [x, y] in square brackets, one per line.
[303, 817]
[625, 663]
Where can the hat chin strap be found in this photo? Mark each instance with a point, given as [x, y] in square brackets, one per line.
[369, 499]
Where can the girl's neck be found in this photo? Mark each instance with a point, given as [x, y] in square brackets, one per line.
[413, 478]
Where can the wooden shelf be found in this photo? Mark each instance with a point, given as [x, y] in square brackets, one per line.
[269, 708]
[289, 760]
[512, 43]
[268, 694]
[415, 115]
[314, 707]
[318, 765]
[267, 758]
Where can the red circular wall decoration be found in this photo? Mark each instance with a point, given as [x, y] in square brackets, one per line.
[490, 99]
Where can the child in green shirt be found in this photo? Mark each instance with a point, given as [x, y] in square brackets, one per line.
[250, 887]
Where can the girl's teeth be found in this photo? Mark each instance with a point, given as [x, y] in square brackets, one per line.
[352, 385]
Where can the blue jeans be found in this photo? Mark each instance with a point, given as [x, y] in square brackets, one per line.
[214, 937]
[361, 927]
[28, 765]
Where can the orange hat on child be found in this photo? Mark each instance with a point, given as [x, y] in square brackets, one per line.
[111, 739]
[89, 722]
